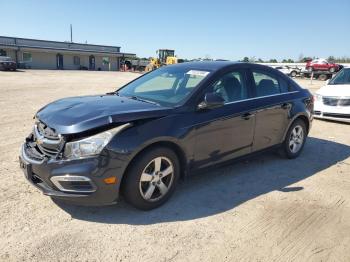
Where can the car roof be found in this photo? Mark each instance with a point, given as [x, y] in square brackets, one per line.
[206, 65]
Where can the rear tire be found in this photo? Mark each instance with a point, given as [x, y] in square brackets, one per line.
[151, 179]
[295, 139]
[323, 77]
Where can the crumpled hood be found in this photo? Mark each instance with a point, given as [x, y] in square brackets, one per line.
[334, 90]
[79, 114]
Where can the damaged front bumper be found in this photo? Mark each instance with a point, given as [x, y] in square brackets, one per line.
[79, 181]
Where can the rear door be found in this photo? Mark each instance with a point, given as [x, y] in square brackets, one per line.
[273, 106]
[226, 132]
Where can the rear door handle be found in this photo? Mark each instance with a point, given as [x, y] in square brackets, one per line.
[247, 116]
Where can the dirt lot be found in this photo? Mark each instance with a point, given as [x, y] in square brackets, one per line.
[264, 209]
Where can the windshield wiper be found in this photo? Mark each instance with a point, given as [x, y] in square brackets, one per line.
[143, 100]
[134, 98]
[113, 93]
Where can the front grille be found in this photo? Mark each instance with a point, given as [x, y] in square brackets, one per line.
[47, 131]
[32, 151]
[333, 101]
[47, 140]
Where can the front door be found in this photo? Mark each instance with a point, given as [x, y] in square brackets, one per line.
[271, 116]
[226, 132]
[59, 61]
[91, 62]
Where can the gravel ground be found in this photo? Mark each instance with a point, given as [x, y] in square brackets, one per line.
[263, 209]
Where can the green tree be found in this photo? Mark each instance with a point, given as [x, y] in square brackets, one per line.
[331, 59]
[305, 59]
[245, 59]
[273, 61]
[289, 60]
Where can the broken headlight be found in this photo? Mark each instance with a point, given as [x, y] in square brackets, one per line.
[92, 145]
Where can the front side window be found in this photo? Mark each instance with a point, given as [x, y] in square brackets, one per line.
[27, 57]
[342, 78]
[231, 87]
[167, 86]
[267, 84]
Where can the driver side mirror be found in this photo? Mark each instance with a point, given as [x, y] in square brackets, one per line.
[211, 101]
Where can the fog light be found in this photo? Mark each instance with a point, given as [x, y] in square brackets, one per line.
[73, 183]
[110, 180]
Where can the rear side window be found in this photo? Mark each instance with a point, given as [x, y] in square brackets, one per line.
[268, 84]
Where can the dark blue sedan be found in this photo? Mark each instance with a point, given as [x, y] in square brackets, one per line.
[140, 140]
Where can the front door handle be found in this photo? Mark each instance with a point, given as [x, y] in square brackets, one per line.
[247, 116]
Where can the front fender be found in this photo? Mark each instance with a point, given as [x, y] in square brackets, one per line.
[135, 139]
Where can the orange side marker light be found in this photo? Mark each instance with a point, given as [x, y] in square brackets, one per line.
[110, 180]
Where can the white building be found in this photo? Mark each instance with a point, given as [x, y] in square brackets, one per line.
[43, 54]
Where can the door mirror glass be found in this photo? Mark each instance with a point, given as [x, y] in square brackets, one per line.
[211, 101]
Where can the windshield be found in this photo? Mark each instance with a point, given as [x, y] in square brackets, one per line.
[5, 58]
[168, 86]
[342, 78]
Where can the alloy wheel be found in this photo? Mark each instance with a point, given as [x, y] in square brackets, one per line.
[296, 139]
[156, 179]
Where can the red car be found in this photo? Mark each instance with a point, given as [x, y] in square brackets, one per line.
[322, 65]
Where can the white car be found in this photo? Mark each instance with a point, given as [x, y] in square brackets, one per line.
[289, 71]
[333, 100]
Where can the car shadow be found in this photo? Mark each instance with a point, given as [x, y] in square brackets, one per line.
[224, 188]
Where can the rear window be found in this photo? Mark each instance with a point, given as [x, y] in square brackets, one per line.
[268, 84]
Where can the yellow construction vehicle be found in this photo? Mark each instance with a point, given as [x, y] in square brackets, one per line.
[165, 57]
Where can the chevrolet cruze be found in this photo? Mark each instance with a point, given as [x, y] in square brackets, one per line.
[140, 140]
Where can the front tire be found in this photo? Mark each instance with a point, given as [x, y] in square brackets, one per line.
[151, 178]
[295, 139]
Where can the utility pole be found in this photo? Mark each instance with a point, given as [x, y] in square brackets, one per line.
[71, 34]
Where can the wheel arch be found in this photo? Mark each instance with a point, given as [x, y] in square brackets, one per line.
[178, 150]
[302, 117]
[306, 121]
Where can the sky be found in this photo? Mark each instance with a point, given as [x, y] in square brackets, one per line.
[219, 29]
